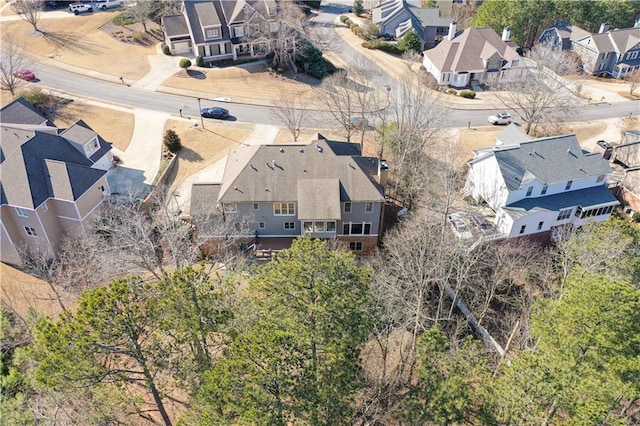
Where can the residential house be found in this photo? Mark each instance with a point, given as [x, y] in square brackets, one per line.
[52, 180]
[610, 52]
[474, 56]
[325, 189]
[218, 30]
[561, 35]
[396, 17]
[627, 154]
[21, 111]
[535, 186]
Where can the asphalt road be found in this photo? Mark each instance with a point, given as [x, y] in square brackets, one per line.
[117, 93]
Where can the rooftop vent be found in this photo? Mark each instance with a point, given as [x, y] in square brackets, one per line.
[281, 149]
[301, 150]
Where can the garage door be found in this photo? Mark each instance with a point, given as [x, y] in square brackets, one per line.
[181, 47]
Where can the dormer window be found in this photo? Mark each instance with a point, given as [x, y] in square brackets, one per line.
[238, 32]
[213, 33]
[92, 146]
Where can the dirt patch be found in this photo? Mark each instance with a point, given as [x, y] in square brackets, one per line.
[113, 125]
[201, 148]
[80, 41]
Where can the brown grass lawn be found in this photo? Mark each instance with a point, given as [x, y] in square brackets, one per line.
[114, 126]
[201, 148]
[81, 41]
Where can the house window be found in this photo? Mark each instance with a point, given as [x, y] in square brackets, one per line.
[604, 55]
[318, 226]
[256, 206]
[308, 226]
[514, 63]
[544, 189]
[284, 209]
[529, 191]
[540, 225]
[92, 146]
[355, 245]
[331, 226]
[213, 33]
[21, 212]
[568, 186]
[30, 231]
[239, 31]
[368, 207]
[564, 214]
[261, 225]
[230, 207]
[522, 228]
[600, 178]
[634, 54]
[347, 207]
[290, 225]
[356, 228]
[45, 207]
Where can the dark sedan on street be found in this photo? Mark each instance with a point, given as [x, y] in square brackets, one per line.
[215, 112]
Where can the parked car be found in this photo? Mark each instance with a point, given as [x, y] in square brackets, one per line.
[215, 112]
[358, 122]
[24, 75]
[500, 118]
[459, 226]
[108, 4]
[78, 8]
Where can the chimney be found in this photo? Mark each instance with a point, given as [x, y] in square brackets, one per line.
[604, 27]
[383, 169]
[452, 30]
[506, 34]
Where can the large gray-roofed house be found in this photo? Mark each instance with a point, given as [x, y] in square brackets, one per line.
[48, 189]
[611, 52]
[474, 56]
[20, 111]
[285, 191]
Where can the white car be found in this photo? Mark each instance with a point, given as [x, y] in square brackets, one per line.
[500, 118]
[459, 226]
[78, 8]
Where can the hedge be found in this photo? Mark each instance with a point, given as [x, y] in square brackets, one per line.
[469, 94]
[382, 45]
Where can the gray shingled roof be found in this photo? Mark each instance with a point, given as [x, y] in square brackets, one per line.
[319, 199]
[42, 165]
[20, 111]
[201, 196]
[468, 49]
[512, 135]
[428, 17]
[550, 160]
[269, 173]
[175, 25]
[585, 198]
[80, 133]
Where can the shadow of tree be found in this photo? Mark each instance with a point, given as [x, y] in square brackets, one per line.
[196, 74]
[71, 42]
[189, 155]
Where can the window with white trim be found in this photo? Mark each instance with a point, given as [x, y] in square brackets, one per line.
[230, 207]
[213, 33]
[307, 226]
[331, 226]
[368, 207]
[544, 189]
[568, 185]
[347, 207]
[22, 212]
[564, 214]
[529, 191]
[522, 228]
[318, 226]
[355, 245]
[92, 146]
[290, 225]
[30, 231]
[540, 224]
[363, 228]
[284, 209]
[261, 225]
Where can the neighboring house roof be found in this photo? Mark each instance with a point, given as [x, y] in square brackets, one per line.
[273, 173]
[428, 17]
[565, 32]
[632, 180]
[628, 153]
[409, 15]
[80, 133]
[512, 135]
[20, 111]
[549, 160]
[468, 50]
[592, 196]
[618, 41]
[175, 25]
[42, 165]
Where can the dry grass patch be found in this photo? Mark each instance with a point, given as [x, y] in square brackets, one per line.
[201, 148]
[113, 125]
[79, 41]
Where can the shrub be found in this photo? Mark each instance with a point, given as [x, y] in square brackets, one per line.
[172, 141]
[311, 61]
[185, 63]
[122, 19]
[200, 61]
[359, 31]
[353, 26]
[636, 217]
[166, 50]
[382, 45]
[410, 41]
[371, 32]
[139, 37]
[451, 92]
[344, 19]
[469, 94]
[358, 9]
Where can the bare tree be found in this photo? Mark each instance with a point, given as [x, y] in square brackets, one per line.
[463, 12]
[29, 11]
[11, 61]
[140, 11]
[337, 94]
[541, 95]
[292, 112]
[633, 78]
